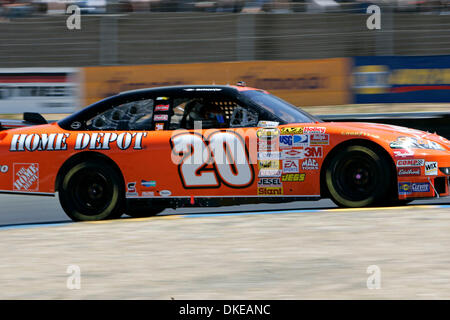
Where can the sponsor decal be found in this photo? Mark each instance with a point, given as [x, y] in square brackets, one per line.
[314, 130]
[39, 142]
[313, 152]
[420, 187]
[4, 168]
[274, 155]
[431, 168]
[202, 89]
[360, 134]
[148, 193]
[161, 107]
[269, 173]
[131, 189]
[310, 164]
[268, 124]
[403, 154]
[269, 164]
[290, 166]
[410, 163]
[404, 188]
[267, 145]
[90, 141]
[159, 126]
[292, 154]
[293, 177]
[298, 130]
[300, 140]
[162, 98]
[415, 171]
[160, 117]
[269, 182]
[75, 125]
[286, 141]
[165, 193]
[26, 177]
[270, 191]
[319, 139]
[148, 184]
[102, 141]
[267, 133]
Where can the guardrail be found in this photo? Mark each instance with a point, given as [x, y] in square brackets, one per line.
[438, 122]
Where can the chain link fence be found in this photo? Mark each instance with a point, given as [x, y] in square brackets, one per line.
[284, 32]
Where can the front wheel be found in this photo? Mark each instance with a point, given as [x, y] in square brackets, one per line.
[91, 191]
[358, 176]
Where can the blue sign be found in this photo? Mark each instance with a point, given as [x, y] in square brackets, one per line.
[401, 79]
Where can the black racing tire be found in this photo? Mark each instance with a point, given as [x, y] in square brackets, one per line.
[143, 212]
[358, 176]
[91, 191]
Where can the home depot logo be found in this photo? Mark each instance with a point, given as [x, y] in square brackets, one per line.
[26, 177]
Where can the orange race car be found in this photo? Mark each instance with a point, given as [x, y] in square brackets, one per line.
[142, 151]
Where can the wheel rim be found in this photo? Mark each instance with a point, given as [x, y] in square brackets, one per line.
[356, 178]
[92, 191]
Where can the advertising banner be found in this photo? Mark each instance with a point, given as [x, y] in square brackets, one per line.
[44, 90]
[401, 79]
[301, 82]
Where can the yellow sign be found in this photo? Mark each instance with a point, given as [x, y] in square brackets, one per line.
[300, 82]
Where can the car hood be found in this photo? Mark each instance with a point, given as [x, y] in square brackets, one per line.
[388, 132]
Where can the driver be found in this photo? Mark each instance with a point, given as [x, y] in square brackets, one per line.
[213, 113]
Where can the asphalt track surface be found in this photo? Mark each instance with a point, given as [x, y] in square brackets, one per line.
[299, 250]
[20, 210]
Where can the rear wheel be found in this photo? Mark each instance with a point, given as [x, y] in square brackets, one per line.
[91, 191]
[358, 176]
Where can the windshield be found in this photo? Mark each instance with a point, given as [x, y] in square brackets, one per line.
[282, 109]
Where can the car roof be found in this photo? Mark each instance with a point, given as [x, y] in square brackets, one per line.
[199, 88]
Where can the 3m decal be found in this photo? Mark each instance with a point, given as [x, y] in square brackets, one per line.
[226, 155]
[431, 168]
[26, 177]
[313, 152]
[410, 163]
[293, 177]
[290, 166]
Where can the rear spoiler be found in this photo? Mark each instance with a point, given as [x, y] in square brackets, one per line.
[29, 119]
